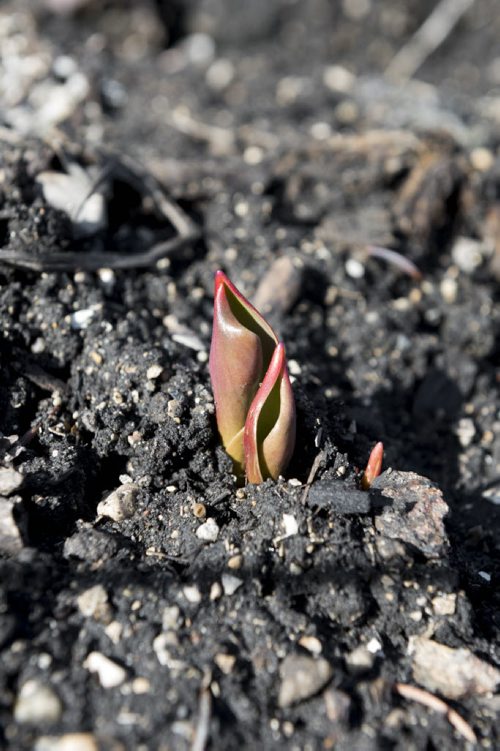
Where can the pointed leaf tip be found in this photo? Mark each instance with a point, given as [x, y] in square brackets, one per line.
[269, 436]
[374, 465]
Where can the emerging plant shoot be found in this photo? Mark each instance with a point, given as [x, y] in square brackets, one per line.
[253, 397]
[374, 465]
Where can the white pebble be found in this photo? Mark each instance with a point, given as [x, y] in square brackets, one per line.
[465, 431]
[81, 319]
[92, 601]
[290, 525]
[208, 531]
[120, 504]
[448, 288]
[109, 673]
[66, 742]
[466, 254]
[312, 644]
[37, 704]
[374, 646]
[337, 78]
[153, 372]
[192, 594]
[294, 367]
[354, 268]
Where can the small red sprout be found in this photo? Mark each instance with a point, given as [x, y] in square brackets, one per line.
[253, 397]
[374, 465]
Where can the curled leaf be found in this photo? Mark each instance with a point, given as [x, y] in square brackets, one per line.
[270, 426]
[241, 351]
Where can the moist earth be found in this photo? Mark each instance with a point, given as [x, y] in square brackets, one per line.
[147, 601]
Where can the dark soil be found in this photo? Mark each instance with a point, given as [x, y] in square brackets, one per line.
[220, 135]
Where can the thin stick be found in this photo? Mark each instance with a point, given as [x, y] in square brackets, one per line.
[395, 259]
[145, 183]
[312, 474]
[413, 693]
[432, 33]
[204, 710]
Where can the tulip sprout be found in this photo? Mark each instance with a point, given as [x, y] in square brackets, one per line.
[254, 402]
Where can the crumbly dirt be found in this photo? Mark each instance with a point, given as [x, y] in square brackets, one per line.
[234, 139]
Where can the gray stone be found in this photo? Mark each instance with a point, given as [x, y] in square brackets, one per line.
[301, 678]
[10, 480]
[414, 514]
[230, 584]
[11, 525]
[90, 545]
[454, 673]
[121, 503]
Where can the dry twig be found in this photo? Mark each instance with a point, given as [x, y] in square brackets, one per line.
[432, 33]
[312, 474]
[204, 711]
[413, 693]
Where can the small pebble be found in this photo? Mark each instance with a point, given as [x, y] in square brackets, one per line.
[215, 591]
[225, 662]
[192, 594]
[121, 503]
[230, 584]
[199, 510]
[93, 603]
[10, 480]
[374, 646]
[154, 371]
[11, 541]
[37, 704]
[208, 532]
[290, 525]
[312, 644]
[170, 618]
[338, 79]
[465, 431]
[235, 562]
[445, 604]
[114, 631]
[448, 288]
[301, 678]
[141, 686]
[354, 268]
[360, 660]
[467, 254]
[67, 742]
[110, 674]
[81, 319]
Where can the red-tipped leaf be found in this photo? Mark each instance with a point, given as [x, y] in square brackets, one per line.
[374, 465]
[270, 425]
[240, 353]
